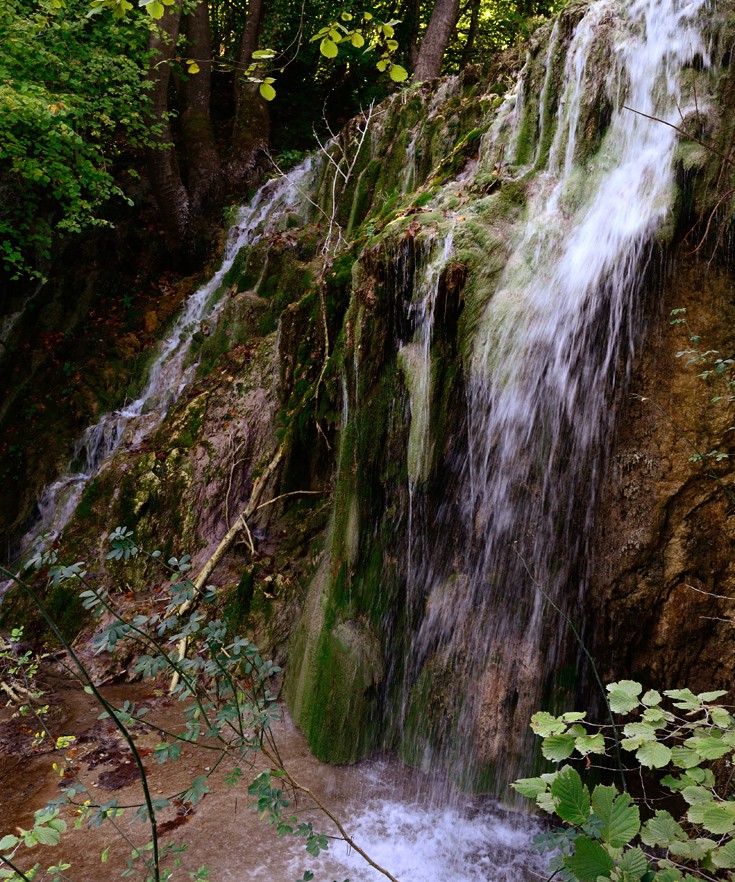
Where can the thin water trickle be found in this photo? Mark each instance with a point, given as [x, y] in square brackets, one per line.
[172, 369]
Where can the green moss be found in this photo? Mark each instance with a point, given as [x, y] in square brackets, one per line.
[424, 198]
[91, 496]
[341, 712]
[434, 705]
[238, 603]
[364, 194]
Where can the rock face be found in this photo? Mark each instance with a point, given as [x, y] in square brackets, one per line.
[409, 557]
[665, 576]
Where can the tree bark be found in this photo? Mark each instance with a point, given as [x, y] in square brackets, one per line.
[202, 157]
[410, 17]
[436, 39]
[163, 166]
[251, 125]
[469, 46]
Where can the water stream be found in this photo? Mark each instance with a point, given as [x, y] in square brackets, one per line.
[172, 369]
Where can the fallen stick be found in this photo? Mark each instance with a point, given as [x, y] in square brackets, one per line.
[219, 552]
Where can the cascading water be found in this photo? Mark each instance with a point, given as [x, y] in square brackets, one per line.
[550, 353]
[172, 369]
[493, 515]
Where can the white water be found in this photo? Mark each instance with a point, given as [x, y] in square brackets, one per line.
[415, 359]
[169, 373]
[453, 844]
[550, 352]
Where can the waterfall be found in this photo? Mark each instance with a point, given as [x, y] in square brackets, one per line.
[550, 354]
[172, 368]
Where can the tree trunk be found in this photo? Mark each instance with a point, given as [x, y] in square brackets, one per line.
[524, 8]
[202, 157]
[251, 125]
[410, 17]
[436, 39]
[163, 166]
[469, 46]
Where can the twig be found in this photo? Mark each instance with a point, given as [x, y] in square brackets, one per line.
[235, 464]
[724, 157]
[709, 593]
[20, 873]
[343, 833]
[290, 493]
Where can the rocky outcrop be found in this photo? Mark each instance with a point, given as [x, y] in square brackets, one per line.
[352, 343]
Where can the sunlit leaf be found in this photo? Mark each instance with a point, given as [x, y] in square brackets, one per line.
[328, 48]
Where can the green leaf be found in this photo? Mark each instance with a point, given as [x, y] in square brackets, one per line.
[653, 755]
[685, 757]
[557, 747]
[692, 849]
[590, 743]
[546, 802]
[398, 74]
[656, 714]
[695, 795]
[651, 698]
[622, 702]
[267, 91]
[706, 697]
[357, 40]
[155, 9]
[620, 819]
[719, 818]
[710, 748]
[47, 835]
[634, 863]
[661, 830]
[530, 787]
[573, 716]
[630, 687]
[669, 875]
[640, 730]
[8, 842]
[720, 717]
[328, 48]
[544, 724]
[573, 798]
[683, 698]
[589, 860]
[724, 856]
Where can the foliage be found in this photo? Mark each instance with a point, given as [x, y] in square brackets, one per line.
[379, 35]
[687, 741]
[227, 707]
[71, 102]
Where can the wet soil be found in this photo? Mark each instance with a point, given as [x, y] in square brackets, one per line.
[406, 821]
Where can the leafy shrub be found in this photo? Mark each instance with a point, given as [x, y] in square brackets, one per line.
[681, 744]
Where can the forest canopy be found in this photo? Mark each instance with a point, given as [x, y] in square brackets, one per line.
[96, 94]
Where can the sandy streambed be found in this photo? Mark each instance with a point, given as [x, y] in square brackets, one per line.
[406, 821]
